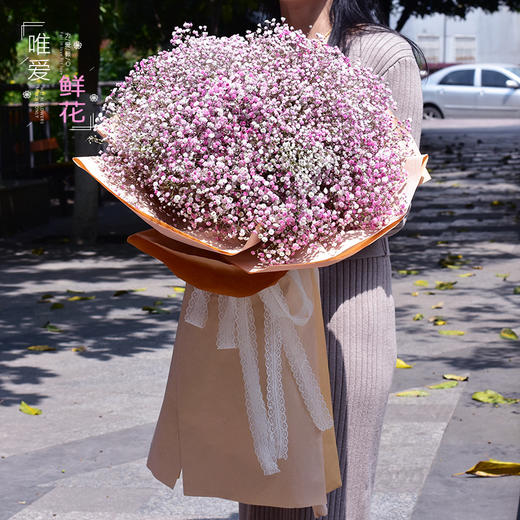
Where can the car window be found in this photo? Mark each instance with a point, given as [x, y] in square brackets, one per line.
[514, 70]
[493, 78]
[459, 77]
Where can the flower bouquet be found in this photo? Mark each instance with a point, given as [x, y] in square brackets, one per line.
[250, 157]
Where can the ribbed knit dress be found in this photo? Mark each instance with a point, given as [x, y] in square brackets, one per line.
[359, 317]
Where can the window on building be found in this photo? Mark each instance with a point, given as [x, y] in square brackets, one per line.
[459, 77]
[465, 49]
[492, 78]
[431, 46]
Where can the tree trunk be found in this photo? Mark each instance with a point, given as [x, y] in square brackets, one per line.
[86, 191]
[405, 15]
[384, 10]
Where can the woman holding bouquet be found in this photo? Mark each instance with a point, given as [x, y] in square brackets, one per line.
[358, 307]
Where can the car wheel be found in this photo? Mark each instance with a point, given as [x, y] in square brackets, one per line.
[431, 112]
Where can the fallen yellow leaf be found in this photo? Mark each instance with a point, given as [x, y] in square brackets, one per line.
[446, 384]
[29, 410]
[40, 348]
[455, 377]
[421, 283]
[418, 317]
[509, 334]
[444, 286]
[402, 364]
[439, 305]
[79, 349]
[466, 275]
[493, 468]
[451, 332]
[80, 298]
[412, 393]
[415, 293]
[490, 396]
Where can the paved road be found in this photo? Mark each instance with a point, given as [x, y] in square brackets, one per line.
[84, 457]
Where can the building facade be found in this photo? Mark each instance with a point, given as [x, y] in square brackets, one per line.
[481, 37]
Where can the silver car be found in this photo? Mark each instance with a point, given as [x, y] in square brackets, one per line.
[472, 90]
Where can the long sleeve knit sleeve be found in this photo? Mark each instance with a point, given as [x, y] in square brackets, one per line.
[405, 82]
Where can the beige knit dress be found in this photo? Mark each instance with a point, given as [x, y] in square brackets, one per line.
[358, 312]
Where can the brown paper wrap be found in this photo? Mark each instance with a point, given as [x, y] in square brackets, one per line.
[203, 427]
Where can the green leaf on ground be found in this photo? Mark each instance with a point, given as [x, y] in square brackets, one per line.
[154, 310]
[452, 261]
[444, 286]
[516, 290]
[40, 348]
[57, 305]
[402, 364]
[493, 468]
[495, 203]
[407, 271]
[466, 275]
[121, 292]
[508, 334]
[412, 393]
[80, 298]
[70, 291]
[504, 276]
[38, 251]
[455, 377]
[418, 317]
[29, 410]
[451, 332]
[51, 328]
[446, 384]
[421, 283]
[490, 396]
[46, 296]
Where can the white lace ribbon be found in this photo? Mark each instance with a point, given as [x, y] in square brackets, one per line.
[236, 329]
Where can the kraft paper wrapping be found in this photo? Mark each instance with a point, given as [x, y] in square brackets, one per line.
[203, 428]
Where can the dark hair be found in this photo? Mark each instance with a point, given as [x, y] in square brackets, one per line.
[349, 18]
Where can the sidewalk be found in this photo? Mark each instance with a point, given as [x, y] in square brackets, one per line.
[84, 457]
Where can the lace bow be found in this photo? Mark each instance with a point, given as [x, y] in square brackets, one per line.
[236, 329]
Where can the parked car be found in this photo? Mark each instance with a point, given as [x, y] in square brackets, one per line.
[472, 90]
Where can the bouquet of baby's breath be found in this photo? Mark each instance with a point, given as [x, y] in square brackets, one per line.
[271, 135]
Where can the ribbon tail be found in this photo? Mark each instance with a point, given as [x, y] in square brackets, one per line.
[275, 393]
[256, 412]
